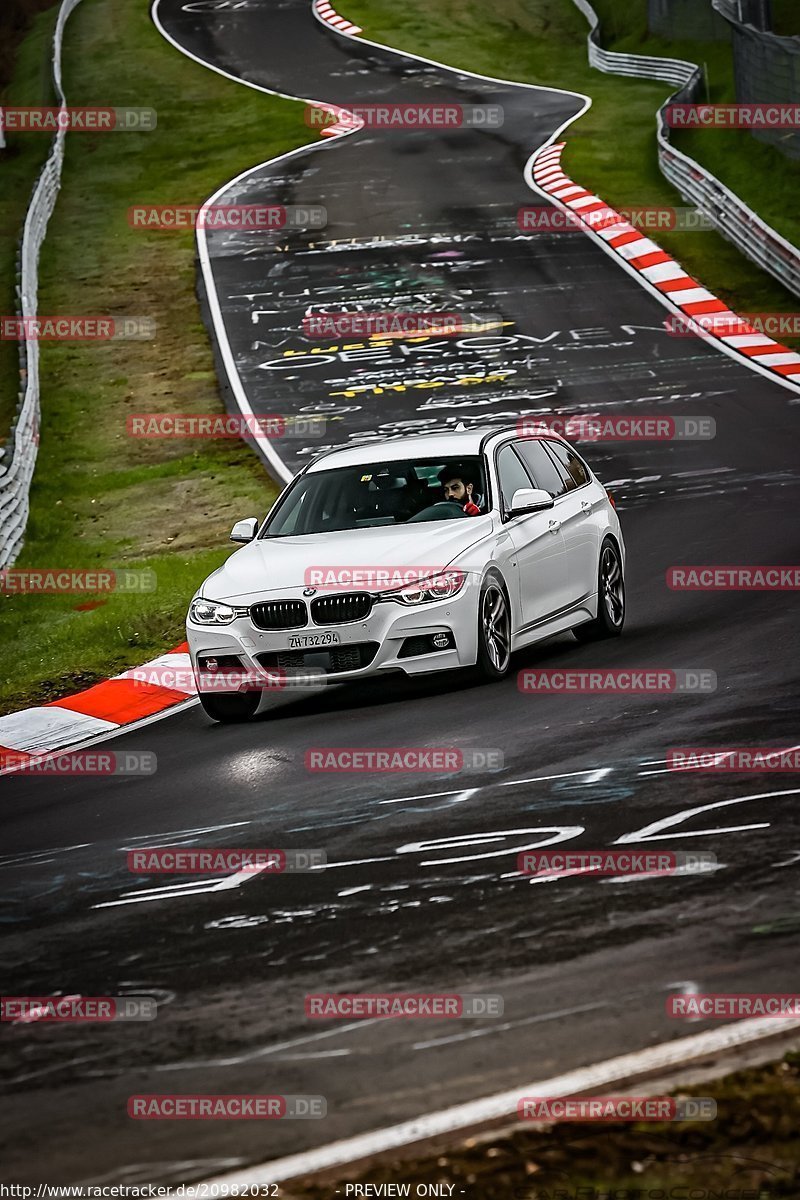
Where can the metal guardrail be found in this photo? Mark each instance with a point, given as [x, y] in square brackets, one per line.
[18, 456]
[727, 212]
[766, 67]
[731, 9]
[670, 70]
[750, 12]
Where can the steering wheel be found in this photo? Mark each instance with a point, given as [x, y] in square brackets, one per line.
[434, 512]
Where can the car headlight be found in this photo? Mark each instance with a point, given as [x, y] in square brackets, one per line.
[438, 587]
[211, 612]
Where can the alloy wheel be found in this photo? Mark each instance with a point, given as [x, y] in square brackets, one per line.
[612, 587]
[496, 622]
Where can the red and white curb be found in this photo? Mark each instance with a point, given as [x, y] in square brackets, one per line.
[103, 709]
[330, 16]
[346, 121]
[642, 256]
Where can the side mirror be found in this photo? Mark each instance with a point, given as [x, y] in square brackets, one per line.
[244, 531]
[530, 500]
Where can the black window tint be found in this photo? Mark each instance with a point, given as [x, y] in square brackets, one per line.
[541, 466]
[573, 468]
[511, 473]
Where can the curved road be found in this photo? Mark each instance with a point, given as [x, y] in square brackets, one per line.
[421, 893]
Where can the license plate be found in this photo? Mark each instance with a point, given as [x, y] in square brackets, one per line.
[306, 641]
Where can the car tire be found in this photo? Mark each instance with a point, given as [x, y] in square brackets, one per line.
[231, 707]
[610, 597]
[494, 630]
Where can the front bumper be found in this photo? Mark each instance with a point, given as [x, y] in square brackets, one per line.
[384, 632]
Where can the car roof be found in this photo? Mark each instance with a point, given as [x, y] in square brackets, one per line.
[445, 445]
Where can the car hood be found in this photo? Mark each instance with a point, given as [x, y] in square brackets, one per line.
[281, 564]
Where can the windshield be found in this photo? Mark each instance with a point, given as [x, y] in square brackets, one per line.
[402, 492]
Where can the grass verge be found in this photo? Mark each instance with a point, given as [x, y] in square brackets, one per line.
[612, 148]
[102, 499]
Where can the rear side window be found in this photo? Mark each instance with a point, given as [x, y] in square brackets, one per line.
[541, 467]
[573, 469]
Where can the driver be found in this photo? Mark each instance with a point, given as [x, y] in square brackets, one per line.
[459, 487]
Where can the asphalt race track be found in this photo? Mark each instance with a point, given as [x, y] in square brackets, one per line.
[421, 892]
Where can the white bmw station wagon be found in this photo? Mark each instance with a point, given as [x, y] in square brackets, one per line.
[421, 554]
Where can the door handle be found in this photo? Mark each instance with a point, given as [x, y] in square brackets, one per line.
[554, 526]
[586, 506]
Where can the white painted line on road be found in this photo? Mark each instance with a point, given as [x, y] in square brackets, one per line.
[249, 1056]
[624, 1069]
[36, 858]
[178, 836]
[489, 1030]
[654, 831]
[172, 891]
[688, 870]
[594, 775]
[424, 796]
